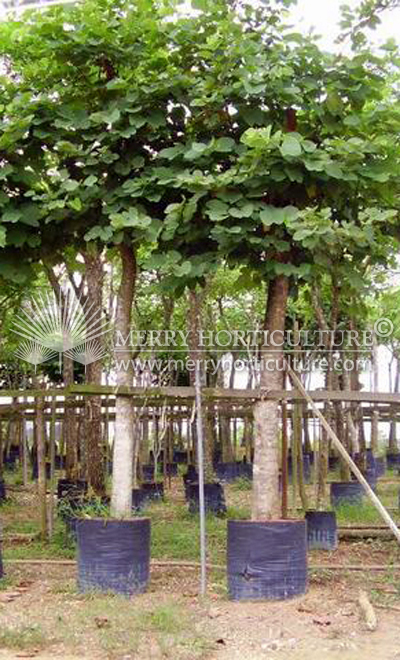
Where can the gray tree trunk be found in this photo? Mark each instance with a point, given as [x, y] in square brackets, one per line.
[121, 498]
[266, 503]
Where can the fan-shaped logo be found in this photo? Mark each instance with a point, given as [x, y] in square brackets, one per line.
[52, 327]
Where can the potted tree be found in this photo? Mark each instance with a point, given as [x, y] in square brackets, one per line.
[275, 198]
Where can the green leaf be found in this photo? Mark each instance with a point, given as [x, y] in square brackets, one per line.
[75, 204]
[244, 211]
[70, 185]
[3, 234]
[12, 215]
[224, 144]
[171, 152]
[217, 210]
[334, 170]
[272, 215]
[291, 147]
[90, 181]
[195, 151]
[103, 233]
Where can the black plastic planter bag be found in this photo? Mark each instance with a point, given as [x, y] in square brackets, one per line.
[266, 560]
[191, 474]
[380, 466]
[370, 476]
[154, 491]
[227, 472]
[245, 470]
[35, 470]
[67, 488]
[148, 472]
[179, 456]
[321, 530]
[393, 460]
[139, 499]
[346, 492]
[71, 523]
[113, 555]
[333, 462]
[3, 496]
[214, 498]
[171, 469]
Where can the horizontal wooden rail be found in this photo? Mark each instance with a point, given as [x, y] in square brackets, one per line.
[178, 395]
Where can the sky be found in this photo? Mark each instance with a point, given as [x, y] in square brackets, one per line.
[324, 16]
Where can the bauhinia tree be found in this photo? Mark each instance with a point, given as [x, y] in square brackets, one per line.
[314, 175]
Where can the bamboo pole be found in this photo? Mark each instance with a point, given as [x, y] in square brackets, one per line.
[342, 451]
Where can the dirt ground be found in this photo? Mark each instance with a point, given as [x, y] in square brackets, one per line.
[43, 616]
[170, 621]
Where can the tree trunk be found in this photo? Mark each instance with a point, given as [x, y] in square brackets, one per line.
[121, 499]
[266, 503]
[69, 427]
[92, 424]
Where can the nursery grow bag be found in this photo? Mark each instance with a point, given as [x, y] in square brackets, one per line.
[35, 470]
[59, 462]
[266, 560]
[393, 460]
[245, 470]
[333, 462]
[67, 488]
[139, 499]
[153, 491]
[346, 492]
[321, 530]
[214, 498]
[179, 456]
[380, 466]
[71, 523]
[3, 496]
[171, 469]
[191, 474]
[113, 555]
[148, 472]
[9, 462]
[369, 475]
[227, 471]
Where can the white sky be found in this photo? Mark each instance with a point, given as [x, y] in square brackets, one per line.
[324, 16]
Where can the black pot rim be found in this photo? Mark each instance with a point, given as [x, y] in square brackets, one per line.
[273, 521]
[135, 519]
[320, 511]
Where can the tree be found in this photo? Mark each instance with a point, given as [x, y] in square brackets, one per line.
[288, 194]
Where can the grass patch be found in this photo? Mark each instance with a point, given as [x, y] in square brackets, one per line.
[168, 619]
[23, 637]
[362, 514]
[242, 484]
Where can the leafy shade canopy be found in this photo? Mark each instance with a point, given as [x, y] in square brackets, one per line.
[216, 134]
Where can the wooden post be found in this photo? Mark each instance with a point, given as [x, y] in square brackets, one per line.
[24, 450]
[343, 453]
[52, 466]
[284, 461]
[41, 459]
